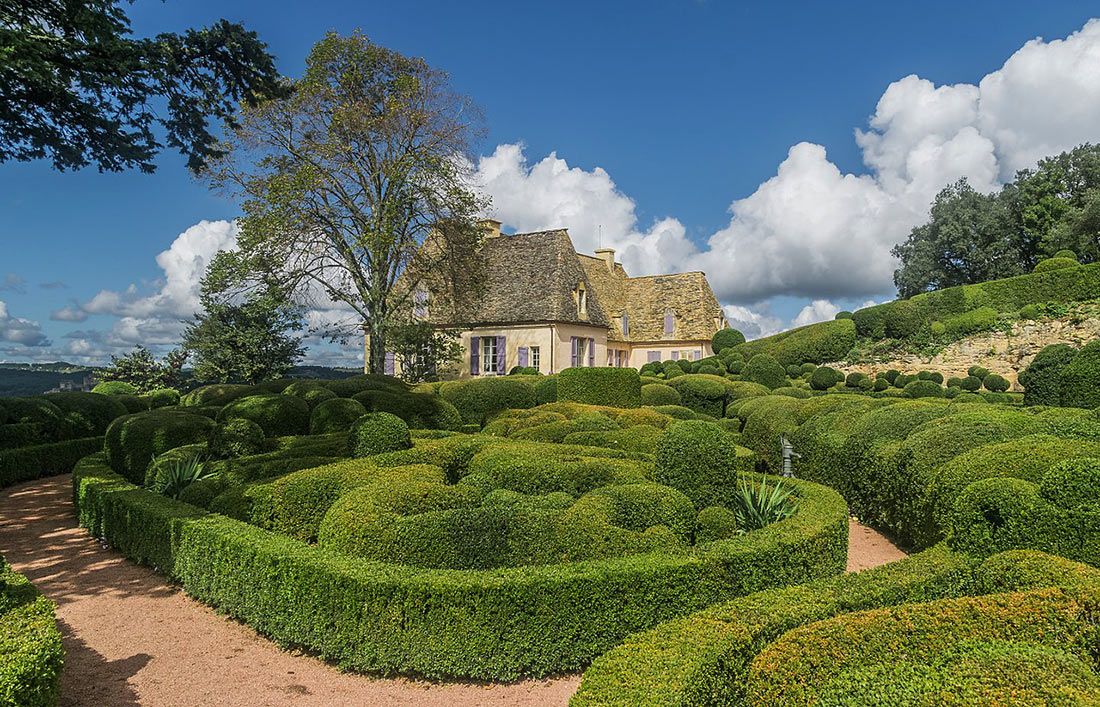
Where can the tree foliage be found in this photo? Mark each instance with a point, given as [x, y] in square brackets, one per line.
[425, 352]
[247, 341]
[142, 370]
[972, 237]
[359, 177]
[79, 90]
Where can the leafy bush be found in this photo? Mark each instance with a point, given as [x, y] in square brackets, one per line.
[114, 388]
[1066, 254]
[765, 370]
[546, 390]
[46, 416]
[132, 441]
[659, 394]
[816, 343]
[934, 376]
[277, 415]
[335, 415]
[162, 398]
[972, 322]
[476, 398]
[216, 394]
[1072, 484]
[923, 389]
[1054, 263]
[704, 393]
[903, 319]
[726, 339]
[1079, 382]
[871, 321]
[715, 523]
[86, 414]
[881, 384]
[41, 460]
[971, 383]
[614, 387]
[30, 643]
[378, 432]
[852, 380]
[995, 383]
[824, 378]
[978, 372]
[238, 437]
[1042, 378]
[702, 461]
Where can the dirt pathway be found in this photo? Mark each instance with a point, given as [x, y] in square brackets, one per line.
[132, 639]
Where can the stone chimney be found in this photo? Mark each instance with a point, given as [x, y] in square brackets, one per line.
[491, 227]
[608, 255]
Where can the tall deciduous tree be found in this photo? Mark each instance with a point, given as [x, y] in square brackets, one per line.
[77, 89]
[142, 370]
[357, 178]
[248, 341]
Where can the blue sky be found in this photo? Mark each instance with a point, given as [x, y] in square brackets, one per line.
[659, 117]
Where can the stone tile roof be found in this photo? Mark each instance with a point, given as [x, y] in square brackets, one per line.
[532, 277]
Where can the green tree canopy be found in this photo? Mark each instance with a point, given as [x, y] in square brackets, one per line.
[358, 177]
[142, 370]
[78, 89]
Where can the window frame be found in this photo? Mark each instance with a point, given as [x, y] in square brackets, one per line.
[488, 365]
[533, 357]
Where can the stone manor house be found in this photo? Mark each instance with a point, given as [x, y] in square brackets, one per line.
[546, 306]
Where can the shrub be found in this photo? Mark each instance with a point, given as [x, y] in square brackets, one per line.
[114, 388]
[700, 460]
[904, 379]
[923, 389]
[1042, 378]
[715, 523]
[41, 460]
[902, 320]
[335, 415]
[30, 643]
[1029, 311]
[614, 387]
[704, 394]
[1079, 382]
[891, 375]
[794, 371]
[843, 314]
[659, 394]
[938, 329]
[677, 412]
[132, 441]
[853, 379]
[765, 370]
[824, 378]
[277, 415]
[238, 437]
[47, 417]
[1054, 263]
[971, 384]
[1072, 484]
[347, 387]
[726, 339]
[933, 376]
[377, 433]
[978, 372]
[313, 392]
[871, 321]
[216, 394]
[881, 384]
[546, 390]
[995, 383]
[476, 398]
[972, 322]
[133, 403]
[956, 382]
[162, 398]
[1066, 254]
[86, 414]
[816, 343]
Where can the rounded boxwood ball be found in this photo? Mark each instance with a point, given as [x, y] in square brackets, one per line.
[933, 376]
[236, 438]
[114, 388]
[978, 372]
[699, 459]
[715, 523]
[824, 378]
[1054, 264]
[377, 433]
[881, 384]
[922, 389]
[278, 415]
[726, 339]
[162, 398]
[659, 394]
[765, 370]
[995, 383]
[132, 441]
[971, 384]
[86, 414]
[853, 379]
[335, 415]
[1079, 381]
[1066, 254]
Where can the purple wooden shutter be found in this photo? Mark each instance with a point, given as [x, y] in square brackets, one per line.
[389, 363]
[501, 358]
[574, 342]
[670, 324]
[653, 356]
[591, 352]
[521, 356]
[475, 352]
[675, 355]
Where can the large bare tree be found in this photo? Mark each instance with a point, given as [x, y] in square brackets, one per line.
[355, 187]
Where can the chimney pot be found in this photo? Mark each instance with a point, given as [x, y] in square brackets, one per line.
[491, 227]
[608, 255]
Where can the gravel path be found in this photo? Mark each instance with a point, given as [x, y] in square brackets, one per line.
[132, 639]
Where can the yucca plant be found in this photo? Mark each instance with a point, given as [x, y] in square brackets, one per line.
[174, 475]
[758, 505]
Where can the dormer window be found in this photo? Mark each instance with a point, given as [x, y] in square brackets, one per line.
[626, 324]
[582, 299]
[670, 322]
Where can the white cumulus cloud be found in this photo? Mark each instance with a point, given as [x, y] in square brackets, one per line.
[18, 330]
[820, 310]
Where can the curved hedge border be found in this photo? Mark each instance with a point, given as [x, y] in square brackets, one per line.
[706, 658]
[29, 463]
[31, 655]
[493, 624]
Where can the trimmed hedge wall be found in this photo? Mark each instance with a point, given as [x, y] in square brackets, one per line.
[815, 343]
[31, 655]
[614, 387]
[479, 397]
[35, 462]
[498, 624]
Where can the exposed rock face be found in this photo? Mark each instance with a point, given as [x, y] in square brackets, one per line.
[1003, 354]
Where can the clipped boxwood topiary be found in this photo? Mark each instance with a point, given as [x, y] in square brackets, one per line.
[546, 390]
[614, 387]
[923, 389]
[162, 398]
[703, 393]
[1079, 383]
[1066, 254]
[978, 372]
[114, 388]
[48, 418]
[278, 415]
[726, 339]
[132, 441]
[765, 370]
[853, 379]
[377, 433]
[715, 523]
[934, 376]
[995, 383]
[86, 414]
[824, 378]
[659, 394]
[1055, 263]
[236, 438]
[476, 398]
[902, 320]
[702, 461]
[1042, 378]
[216, 394]
[971, 384]
[335, 415]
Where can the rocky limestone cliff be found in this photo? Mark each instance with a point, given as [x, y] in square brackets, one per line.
[1002, 353]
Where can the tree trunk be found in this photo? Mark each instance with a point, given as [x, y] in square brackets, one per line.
[377, 358]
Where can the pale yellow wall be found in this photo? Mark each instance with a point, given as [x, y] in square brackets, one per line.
[563, 351]
[514, 337]
[639, 352]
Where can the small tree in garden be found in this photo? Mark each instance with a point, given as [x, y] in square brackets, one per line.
[359, 176]
[247, 341]
[426, 353]
[142, 370]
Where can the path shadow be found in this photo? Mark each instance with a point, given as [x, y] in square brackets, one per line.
[90, 680]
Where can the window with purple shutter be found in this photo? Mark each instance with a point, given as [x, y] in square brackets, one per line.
[475, 355]
[591, 352]
[521, 356]
[670, 321]
[575, 343]
[653, 356]
[501, 358]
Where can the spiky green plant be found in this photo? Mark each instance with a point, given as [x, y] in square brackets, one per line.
[174, 475]
[758, 505]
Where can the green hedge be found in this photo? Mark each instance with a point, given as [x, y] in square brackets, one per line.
[277, 415]
[1042, 379]
[614, 387]
[476, 398]
[711, 657]
[37, 411]
[499, 624]
[815, 343]
[335, 415]
[35, 462]
[217, 394]
[31, 654]
[659, 394]
[701, 460]
[86, 414]
[132, 441]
